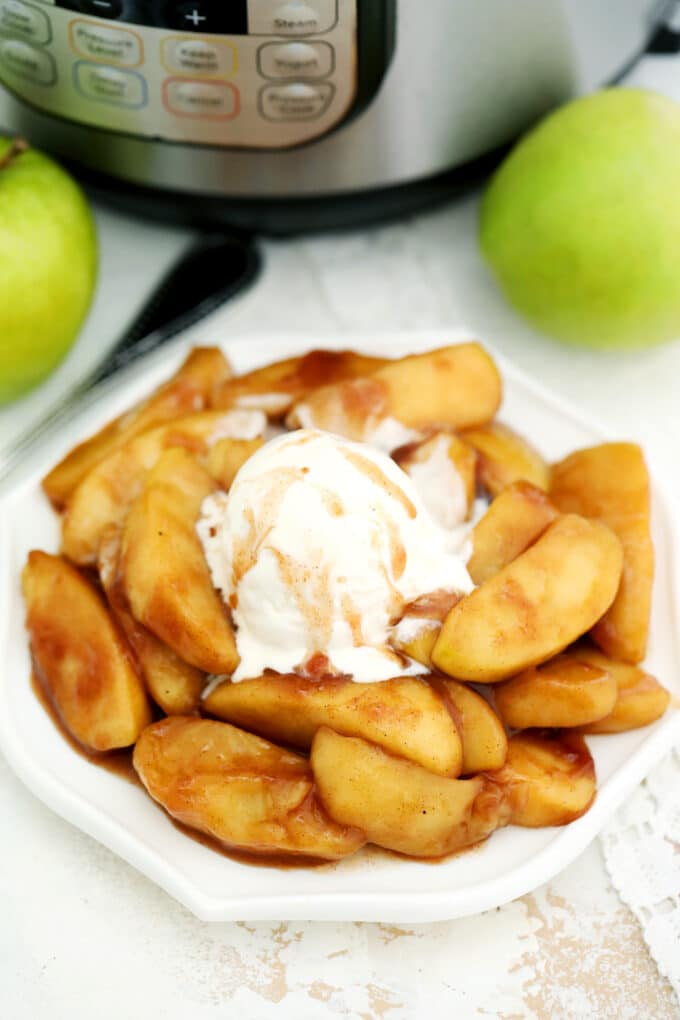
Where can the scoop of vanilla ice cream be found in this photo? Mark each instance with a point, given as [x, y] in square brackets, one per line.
[439, 484]
[317, 548]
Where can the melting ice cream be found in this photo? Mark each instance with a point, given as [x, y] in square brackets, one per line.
[317, 549]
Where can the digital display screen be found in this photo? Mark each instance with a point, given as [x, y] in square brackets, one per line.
[221, 17]
[206, 17]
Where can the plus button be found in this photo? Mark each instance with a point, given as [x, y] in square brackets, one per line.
[195, 17]
[218, 17]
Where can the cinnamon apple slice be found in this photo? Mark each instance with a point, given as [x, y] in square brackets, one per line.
[534, 607]
[82, 658]
[187, 392]
[164, 574]
[243, 791]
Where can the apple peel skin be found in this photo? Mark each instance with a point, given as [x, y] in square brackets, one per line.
[48, 266]
[581, 223]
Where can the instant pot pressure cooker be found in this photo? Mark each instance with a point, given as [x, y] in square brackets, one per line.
[285, 114]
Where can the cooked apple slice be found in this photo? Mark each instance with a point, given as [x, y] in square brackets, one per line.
[485, 745]
[188, 392]
[416, 633]
[515, 519]
[274, 388]
[243, 791]
[455, 387]
[548, 779]
[640, 698]
[104, 496]
[563, 692]
[173, 684]
[398, 804]
[443, 470]
[164, 574]
[506, 457]
[404, 715]
[227, 457]
[534, 607]
[82, 659]
[611, 484]
[416, 637]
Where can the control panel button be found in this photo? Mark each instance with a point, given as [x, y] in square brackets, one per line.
[101, 8]
[209, 100]
[109, 45]
[110, 85]
[296, 101]
[195, 56]
[297, 17]
[221, 17]
[295, 60]
[34, 65]
[25, 20]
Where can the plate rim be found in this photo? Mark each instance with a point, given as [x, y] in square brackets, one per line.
[337, 905]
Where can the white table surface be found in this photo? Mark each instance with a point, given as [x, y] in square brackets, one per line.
[82, 935]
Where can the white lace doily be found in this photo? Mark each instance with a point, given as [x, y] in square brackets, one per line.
[642, 855]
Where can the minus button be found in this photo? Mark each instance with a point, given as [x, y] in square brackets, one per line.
[102, 8]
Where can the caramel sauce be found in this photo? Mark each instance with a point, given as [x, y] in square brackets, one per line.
[417, 449]
[436, 605]
[572, 748]
[117, 762]
[379, 478]
[317, 670]
[332, 502]
[441, 859]
[317, 676]
[301, 438]
[532, 493]
[322, 368]
[260, 860]
[397, 554]
[353, 618]
[439, 687]
[247, 549]
[192, 444]
[364, 399]
[309, 588]
[297, 376]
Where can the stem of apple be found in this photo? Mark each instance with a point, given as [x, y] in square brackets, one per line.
[18, 146]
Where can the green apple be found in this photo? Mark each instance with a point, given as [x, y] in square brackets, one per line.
[581, 222]
[48, 265]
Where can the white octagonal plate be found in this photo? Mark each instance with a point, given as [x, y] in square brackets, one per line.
[371, 886]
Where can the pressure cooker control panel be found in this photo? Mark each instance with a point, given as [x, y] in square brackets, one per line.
[236, 73]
